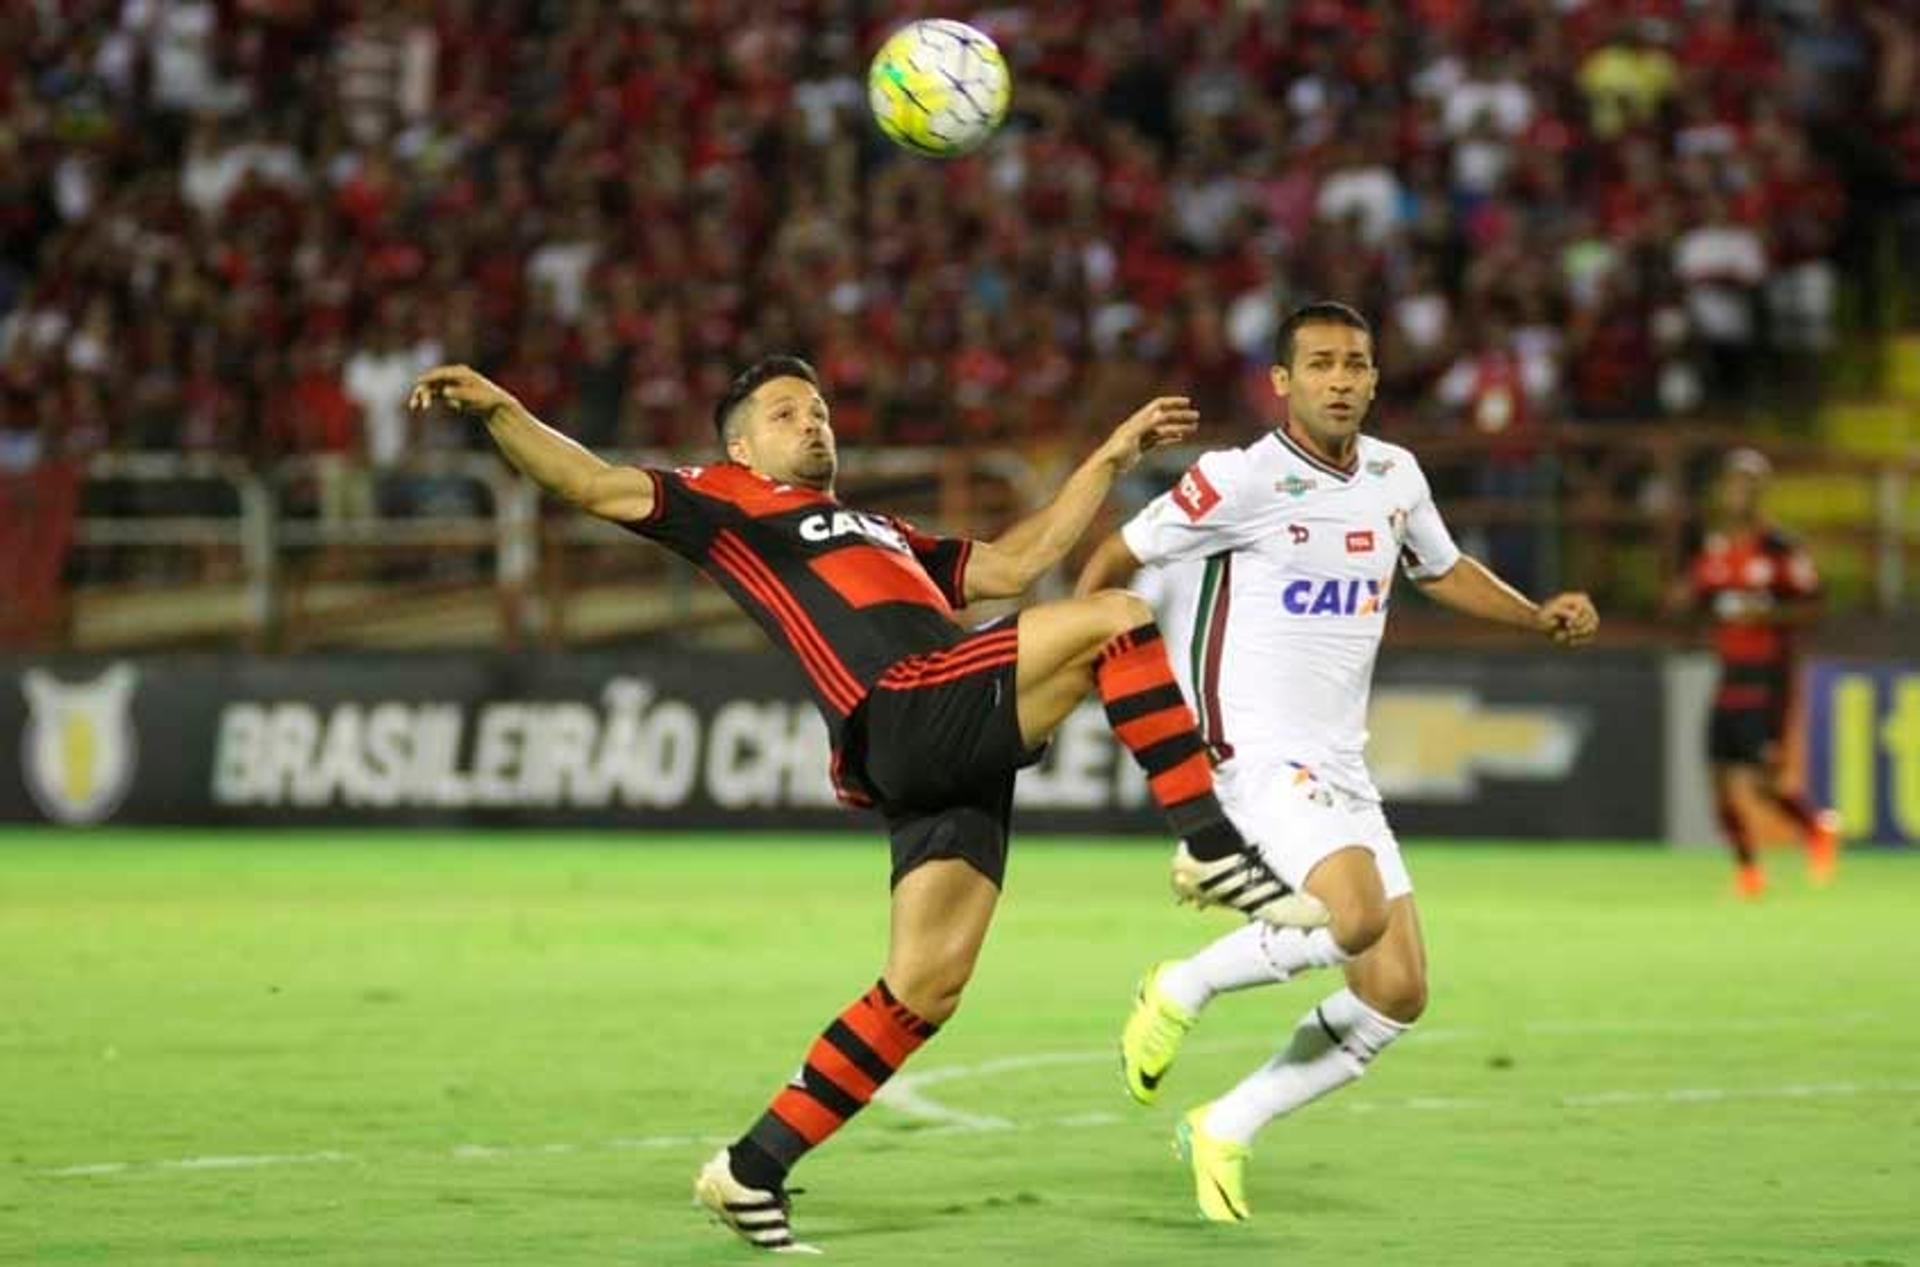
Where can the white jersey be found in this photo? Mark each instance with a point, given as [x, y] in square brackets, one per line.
[1295, 562]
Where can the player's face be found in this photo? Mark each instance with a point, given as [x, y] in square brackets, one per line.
[787, 436]
[1330, 382]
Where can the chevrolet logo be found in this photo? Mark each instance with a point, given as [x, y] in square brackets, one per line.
[1437, 744]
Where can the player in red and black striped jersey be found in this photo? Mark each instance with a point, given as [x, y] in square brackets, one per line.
[1759, 587]
[930, 721]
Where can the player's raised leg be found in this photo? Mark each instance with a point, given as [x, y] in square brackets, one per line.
[1108, 642]
[940, 913]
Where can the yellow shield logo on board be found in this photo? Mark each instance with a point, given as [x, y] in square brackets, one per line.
[80, 750]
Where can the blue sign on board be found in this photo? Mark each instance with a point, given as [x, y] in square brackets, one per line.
[1863, 746]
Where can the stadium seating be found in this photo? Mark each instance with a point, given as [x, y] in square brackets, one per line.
[237, 227]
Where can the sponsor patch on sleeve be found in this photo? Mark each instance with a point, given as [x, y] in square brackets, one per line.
[1194, 495]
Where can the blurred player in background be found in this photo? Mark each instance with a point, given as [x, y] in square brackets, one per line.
[929, 722]
[1298, 535]
[1759, 587]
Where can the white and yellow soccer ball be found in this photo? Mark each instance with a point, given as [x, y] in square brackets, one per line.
[938, 88]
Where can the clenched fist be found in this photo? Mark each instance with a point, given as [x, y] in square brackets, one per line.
[1569, 619]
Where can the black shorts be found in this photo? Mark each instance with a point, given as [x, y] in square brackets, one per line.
[1745, 736]
[937, 746]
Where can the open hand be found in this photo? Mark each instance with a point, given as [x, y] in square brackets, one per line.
[1162, 421]
[1569, 619]
[460, 388]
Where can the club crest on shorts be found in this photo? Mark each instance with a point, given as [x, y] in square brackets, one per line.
[80, 749]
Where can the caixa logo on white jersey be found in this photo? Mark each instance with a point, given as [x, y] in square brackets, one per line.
[1334, 597]
[80, 748]
[846, 523]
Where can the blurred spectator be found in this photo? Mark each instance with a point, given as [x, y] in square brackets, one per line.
[1491, 92]
[1496, 390]
[1627, 79]
[848, 374]
[384, 69]
[210, 420]
[1500, 393]
[1722, 263]
[1802, 207]
[152, 397]
[1207, 201]
[981, 375]
[560, 265]
[599, 382]
[316, 418]
[1731, 56]
[180, 40]
[21, 391]
[1610, 354]
[377, 377]
[1827, 54]
[1361, 184]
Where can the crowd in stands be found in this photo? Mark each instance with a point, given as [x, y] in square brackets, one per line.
[241, 226]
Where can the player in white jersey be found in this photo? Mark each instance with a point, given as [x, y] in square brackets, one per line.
[1298, 535]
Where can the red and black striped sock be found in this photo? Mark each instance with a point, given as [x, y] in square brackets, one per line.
[1739, 836]
[1151, 717]
[850, 1061]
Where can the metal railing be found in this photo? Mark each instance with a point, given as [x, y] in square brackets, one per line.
[267, 523]
[1604, 508]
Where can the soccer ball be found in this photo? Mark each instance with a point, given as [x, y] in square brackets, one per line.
[938, 88]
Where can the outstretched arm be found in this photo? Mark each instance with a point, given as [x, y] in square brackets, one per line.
[1007, 565]
[1111, 565]
[562, 466]
[1469, 586]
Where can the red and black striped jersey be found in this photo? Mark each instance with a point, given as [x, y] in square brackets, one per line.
[1736, 577]
[848, 593]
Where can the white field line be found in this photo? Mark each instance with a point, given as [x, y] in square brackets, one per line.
[1417, 1104]
[242, 1162]
[907, 1095]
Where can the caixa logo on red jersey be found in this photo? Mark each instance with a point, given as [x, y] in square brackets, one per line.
[1333, 596]
[844, 523]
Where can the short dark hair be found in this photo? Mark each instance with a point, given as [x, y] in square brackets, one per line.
[749, 380]
[1322, 312]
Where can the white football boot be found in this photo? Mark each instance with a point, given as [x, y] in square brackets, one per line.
[757, 1216]
[1244, 882]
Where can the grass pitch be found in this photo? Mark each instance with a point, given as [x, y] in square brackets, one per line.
[380, 1048]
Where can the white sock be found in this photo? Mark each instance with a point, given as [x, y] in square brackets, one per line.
[1258, 954]
[1331, 1046]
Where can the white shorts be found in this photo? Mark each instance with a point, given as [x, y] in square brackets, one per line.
[1296, 820]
